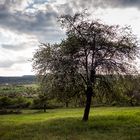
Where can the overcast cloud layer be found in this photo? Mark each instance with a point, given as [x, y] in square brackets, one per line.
[25, 23]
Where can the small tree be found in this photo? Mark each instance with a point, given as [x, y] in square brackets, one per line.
[91, 48]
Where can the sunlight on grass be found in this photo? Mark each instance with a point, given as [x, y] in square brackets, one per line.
[66, 124]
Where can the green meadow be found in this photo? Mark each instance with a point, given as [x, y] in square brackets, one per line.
[105, 123]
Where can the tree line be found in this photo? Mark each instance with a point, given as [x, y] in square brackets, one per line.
[112, 90]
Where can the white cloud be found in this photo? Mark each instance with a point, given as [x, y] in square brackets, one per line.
[15, 51]
[17, 70]
[122, 17]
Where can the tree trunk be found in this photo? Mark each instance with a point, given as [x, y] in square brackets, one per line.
[67, 104]
[89, 93]
[131, 102]
[44, 107]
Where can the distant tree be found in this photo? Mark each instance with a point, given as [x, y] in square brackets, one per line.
[131, 90]
[91, 48]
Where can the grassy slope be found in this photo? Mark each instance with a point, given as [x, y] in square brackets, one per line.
[66, 124]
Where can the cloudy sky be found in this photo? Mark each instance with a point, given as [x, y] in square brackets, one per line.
[25, 23]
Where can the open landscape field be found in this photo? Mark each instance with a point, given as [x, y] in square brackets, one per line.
[69, 70]
[106, 123]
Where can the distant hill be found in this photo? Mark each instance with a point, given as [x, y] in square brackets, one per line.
[26, 79]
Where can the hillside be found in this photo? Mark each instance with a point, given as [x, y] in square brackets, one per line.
[65, 124]
[26, 79]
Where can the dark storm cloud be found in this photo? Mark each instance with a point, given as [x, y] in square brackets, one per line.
[106, 3]
[41, 23]
[44, 24]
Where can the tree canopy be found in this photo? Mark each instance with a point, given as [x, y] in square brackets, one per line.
[90, 49]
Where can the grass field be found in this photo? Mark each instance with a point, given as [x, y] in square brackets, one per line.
[65, 124]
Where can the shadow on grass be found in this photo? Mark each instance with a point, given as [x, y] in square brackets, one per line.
[98, 128]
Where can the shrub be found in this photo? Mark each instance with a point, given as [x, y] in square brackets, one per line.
[5, 102]
[19, 102]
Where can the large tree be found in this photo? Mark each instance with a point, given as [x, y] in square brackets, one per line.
[90, 48]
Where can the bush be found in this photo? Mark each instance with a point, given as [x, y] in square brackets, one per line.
[9, 103]
[38, 104]
[5, 102]
[20, 102]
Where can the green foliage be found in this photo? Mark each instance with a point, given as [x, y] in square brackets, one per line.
[118, 90]
[17, 96]
[49, 104]
[19, 102]
[5, 102]
[11, 90]
[17, 90]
